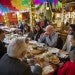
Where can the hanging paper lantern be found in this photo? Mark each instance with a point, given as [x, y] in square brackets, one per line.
[43, 1]
[26, 3]
[51, 1]
[18, 4]
[7, 3]
[37, 2]
[1, 7]
[42, 7]
[5, 10]
[55, 2]
[59, 5]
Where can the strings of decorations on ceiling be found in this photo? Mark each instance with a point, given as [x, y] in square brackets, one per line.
[55, 4]
[21, 5]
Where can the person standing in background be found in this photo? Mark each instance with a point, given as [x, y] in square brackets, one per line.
[37, 32]
[21, 26]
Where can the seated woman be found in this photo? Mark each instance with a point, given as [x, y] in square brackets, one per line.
[11, 63]
[69, 67]
[27, 30]
[37, 32]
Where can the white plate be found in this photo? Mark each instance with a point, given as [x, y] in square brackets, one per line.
[62, 55]
[54, 50]
[33, 42]
[40, 44]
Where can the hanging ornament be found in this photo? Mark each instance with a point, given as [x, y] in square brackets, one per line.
[25, 3]
[55, 2]
[51, 1]
[37, 2]
[18, 4]
[5, 10]
[6, 3]
[59, 5]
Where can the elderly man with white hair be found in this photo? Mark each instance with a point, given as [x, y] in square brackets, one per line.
[10, 63]
[50, 37]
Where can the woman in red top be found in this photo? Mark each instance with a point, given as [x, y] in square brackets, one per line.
[69, 67]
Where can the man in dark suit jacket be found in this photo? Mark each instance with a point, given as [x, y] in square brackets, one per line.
[11, 63]
[2, 44]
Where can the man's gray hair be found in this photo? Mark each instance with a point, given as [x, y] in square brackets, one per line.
[16, 47]
[49, 27]
[72, 55]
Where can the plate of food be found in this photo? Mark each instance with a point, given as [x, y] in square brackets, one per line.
[36, 51]
[47, 70]
[54, 59]
[63, 55]
[33, 42]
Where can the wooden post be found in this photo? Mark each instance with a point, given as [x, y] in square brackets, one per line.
[32, 13]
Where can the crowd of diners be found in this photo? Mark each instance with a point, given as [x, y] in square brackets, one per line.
[12, 60]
